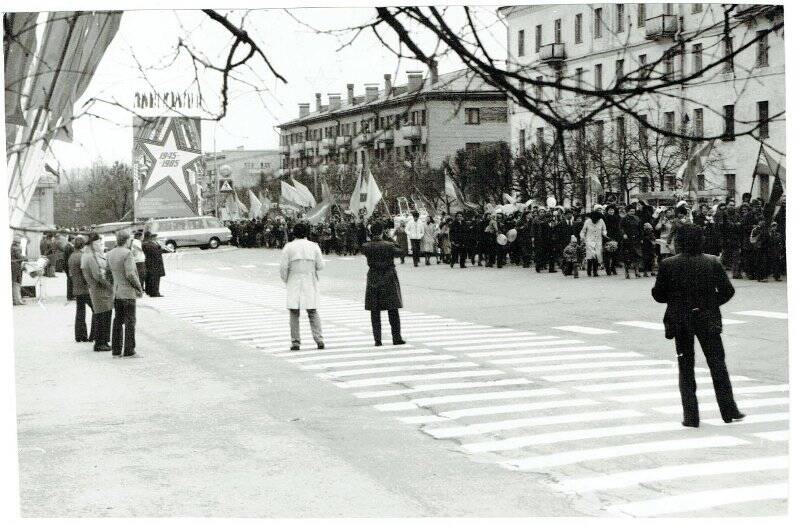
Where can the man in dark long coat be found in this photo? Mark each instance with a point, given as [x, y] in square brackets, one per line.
[153, 264]
[383, 287]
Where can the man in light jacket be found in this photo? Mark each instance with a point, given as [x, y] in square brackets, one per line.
[101, 291]
[126, 289]
[301, 259]
[416, 230]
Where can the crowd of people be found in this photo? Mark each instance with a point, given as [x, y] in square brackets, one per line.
[632, 238]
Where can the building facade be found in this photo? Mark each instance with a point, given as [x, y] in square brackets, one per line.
[248, 168]
[593, 45]
[430, 117]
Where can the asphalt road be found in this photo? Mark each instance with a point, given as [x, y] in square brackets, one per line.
[518, 394]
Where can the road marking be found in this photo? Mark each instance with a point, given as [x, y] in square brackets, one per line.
[514, 345]
[461, 398]
[345, 343]
[416, 377]
[585, 330]
[340, 349]
[379, 361]
[753, 419]
[762, 389]
[421, 420]
[570, 435]
[568, 357]
[642, 324]
[464, 385]
[701, 500]
[775, 435]
[224, 268]
[733, 321]
[488, 337]
[692, 470]
[764, 313]
[517, 407]
[432, 334]
[537, 351]
[631, 449]
[510, 424]
[358, 354]
[601, 364]
[387, 369]
[634, 385]
[248, 266]
[748, 403]
[610, 375]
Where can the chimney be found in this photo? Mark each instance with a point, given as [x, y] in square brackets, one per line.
[350, 95]
[319, 102]
[370, 92]
[414, 80]
[334, 101]
[387, 84]
[433, 68]
[304, 108]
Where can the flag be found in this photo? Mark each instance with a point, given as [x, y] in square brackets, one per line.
[305, 193]
[778, 185]
[19, 54]
[355, 198]
[371, 195]
[327, 196]
[689, 170]
[318, 213]
[255, 205]
[290, 196]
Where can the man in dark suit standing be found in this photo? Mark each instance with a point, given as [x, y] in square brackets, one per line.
[383, 287]
[153, 263]
[458, 239]
[694, 285]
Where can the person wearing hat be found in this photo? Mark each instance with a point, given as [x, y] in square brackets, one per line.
[383, 287]
[80, 292]
[101, 292]
[16, 271]
[153, 265]
[631, 242]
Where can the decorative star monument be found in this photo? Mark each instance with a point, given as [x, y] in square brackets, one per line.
[169, 167]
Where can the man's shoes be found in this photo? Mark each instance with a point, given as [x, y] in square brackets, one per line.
[691, 424]
[398, 342]
[102, 348]
[134, 354]
[295, 348]
[83, 340]
[736, 417]
[321, 346]
[116, 354]
[378, 343]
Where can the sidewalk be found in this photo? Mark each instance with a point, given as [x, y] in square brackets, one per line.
[164, 437]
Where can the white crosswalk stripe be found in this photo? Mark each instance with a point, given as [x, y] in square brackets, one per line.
[553, 404]
[764, 313]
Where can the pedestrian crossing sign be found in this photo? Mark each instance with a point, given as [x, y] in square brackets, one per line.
[226, 186]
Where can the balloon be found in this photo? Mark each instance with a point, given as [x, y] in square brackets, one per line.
[502, 240]
[551, 202]
[512, 235]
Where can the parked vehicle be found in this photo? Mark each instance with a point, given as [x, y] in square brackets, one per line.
[205, 232]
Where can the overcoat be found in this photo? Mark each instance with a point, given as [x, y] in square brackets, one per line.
[592, 235]
[383, 287]
[301, 259]
[75, 273]
[429, 238]
[153, 260]
[94, 268]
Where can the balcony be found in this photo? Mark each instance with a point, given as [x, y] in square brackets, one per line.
[366, 138]
[662, 26]
[385, 136]
[343, 141]
[297, 150]
[411, 132]
[310, 144]
[553, 54]
[285, 149]
[326, 146]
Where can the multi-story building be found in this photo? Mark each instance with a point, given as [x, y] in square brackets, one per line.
[593, 45]
[248, 168]
[429, 117]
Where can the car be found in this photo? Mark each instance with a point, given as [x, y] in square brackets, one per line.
[108, 231]
[205, 232]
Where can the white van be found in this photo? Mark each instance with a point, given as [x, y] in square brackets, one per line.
[205, 232]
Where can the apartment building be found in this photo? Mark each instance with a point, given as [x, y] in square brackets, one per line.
[429, 117]
[593, 45]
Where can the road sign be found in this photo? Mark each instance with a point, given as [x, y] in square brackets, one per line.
[225, 186]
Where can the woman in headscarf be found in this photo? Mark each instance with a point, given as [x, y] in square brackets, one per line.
[614, 233]
[428, 245]
[592, 234]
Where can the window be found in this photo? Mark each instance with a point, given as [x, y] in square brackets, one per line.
[579, 77]
[599, 133]
[473, 115]
[559, 79]
[579, 28]
[697, 8]
[641, 14]
[620, 69]
[521, 139]
[763, 119]
[762, 59]
[521, 43]
[667, 9]
[697, 57]
[598, 22]
[538, 38]
[698, 122]
[669, 125]
[729, 126]
[730, 184]
[669, 65]
[539, 88]
[598, 76]
[701, 181]
[620, 132]
[540, 139]
[620, 11]
[727, 66]
[557, 31]
[422, 116]
[642, 69]
[763, 187]
[642, 130]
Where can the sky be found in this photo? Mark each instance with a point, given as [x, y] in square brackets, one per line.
[143, 55]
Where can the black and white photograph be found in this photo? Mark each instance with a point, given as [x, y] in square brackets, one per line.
[356, 260]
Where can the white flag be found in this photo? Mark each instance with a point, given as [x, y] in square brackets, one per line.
[370, 194]
[255, 206]
[305, 193]
[355, 198]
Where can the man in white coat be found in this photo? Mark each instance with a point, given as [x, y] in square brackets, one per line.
[301, 259]
[415, 229]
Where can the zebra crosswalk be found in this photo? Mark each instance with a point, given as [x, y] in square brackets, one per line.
[562, 401]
